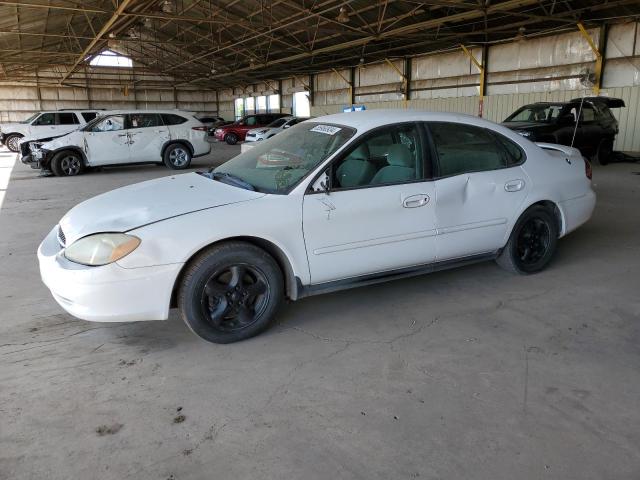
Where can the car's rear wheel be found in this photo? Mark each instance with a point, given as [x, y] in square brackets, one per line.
[605, 151]
[177, 156]
[230, 292]
[13, 142]
[532, 242]
[67, 164]
[231, 138]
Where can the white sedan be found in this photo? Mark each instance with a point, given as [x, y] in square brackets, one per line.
[273, 128]
[338, 202]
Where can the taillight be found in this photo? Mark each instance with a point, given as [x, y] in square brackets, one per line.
[200, 129]
[587, 168]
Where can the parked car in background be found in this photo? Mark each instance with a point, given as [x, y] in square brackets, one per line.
[273, 128]
[210, 121]
[212, 129]
[555, 122]
[342, 201]
[46, 124]
[237, 131]
[122, 137]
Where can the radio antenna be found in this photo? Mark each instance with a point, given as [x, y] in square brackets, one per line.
[577, 121]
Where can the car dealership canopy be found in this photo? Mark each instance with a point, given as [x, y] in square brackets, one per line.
[216, 43]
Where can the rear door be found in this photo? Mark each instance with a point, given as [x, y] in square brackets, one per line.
[147, 135]
[379, 214]
[108, 141]
[480, 186]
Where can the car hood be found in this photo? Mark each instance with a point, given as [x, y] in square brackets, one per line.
[74, 138]
[148, 202]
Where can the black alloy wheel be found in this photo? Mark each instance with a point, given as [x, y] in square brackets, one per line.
[230, 292]
[235, 297]
[532, 242]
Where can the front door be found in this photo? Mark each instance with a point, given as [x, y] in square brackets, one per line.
[479, 189]
[108, 142]
[379, 212]
[147, 135]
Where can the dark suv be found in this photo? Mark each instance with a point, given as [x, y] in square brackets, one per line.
[237, 131]
[555, 122]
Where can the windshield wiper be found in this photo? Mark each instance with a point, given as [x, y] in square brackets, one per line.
[231, 179]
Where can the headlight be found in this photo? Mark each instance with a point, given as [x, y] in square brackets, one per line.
[524, 133]
[218, 130]
[101, 248]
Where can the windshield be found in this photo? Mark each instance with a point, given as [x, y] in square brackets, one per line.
[278, 123]
[542, 113]
[89, 126]
[31, 118]
[277, 165]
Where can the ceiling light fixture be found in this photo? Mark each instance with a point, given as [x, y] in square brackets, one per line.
[168, 6]
[343, 16]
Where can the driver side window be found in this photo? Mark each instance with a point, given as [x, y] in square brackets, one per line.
[45, 119]
[110, 124]
[390, 155]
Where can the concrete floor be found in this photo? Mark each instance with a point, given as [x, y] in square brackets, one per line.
[470, 373]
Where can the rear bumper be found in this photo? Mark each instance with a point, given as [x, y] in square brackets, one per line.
[577, 211]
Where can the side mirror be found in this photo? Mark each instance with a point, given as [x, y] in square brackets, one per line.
[321, 184]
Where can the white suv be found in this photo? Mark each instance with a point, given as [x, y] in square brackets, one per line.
[44, 125]
[122, 137]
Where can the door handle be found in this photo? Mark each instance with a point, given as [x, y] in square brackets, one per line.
[123, 134]
[514, 185]
[414, 201]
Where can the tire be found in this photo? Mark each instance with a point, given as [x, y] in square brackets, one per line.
[532, 242]
[605, 151]
[230, 292]
[67, 164]
[177, 156]
[12, 142]
[231, 138]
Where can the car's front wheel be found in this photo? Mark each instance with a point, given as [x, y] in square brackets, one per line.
[13, 142]
[230, 292]
[532, 242]
[67, 164]
[231, 138]
[177, 156]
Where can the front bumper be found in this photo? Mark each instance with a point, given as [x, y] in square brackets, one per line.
[109, 293]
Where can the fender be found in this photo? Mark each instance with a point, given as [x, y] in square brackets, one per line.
[46, 160]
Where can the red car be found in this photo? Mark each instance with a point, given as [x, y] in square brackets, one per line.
[237, 131]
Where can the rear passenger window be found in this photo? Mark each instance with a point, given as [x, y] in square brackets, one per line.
[465, 148]
[145, 120]
[67, 119]
[88, 116]
[172, 119]
[515, 154]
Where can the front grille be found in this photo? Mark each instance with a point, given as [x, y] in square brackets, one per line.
[61, 238]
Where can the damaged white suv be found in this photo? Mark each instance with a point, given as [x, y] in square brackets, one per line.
[122, 137]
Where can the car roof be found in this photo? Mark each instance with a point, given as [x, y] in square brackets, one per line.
[368, 119]
[123, 112]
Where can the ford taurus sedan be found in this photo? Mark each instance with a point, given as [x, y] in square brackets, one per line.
[338, 202]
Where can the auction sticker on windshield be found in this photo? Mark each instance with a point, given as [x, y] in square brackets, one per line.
[326, 129]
